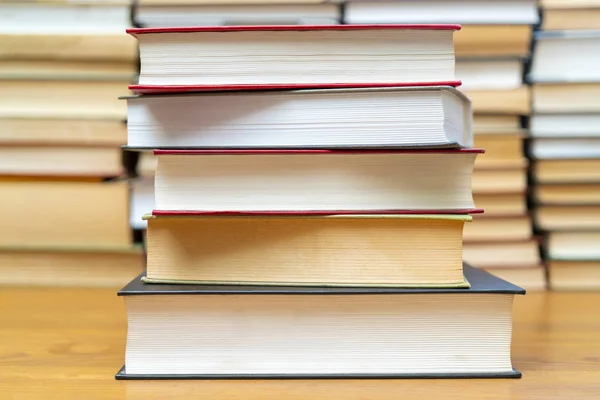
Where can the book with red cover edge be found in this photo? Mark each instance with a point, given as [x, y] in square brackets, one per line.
[255, 28]
[312, 213]
[309, 151]
[158, 89]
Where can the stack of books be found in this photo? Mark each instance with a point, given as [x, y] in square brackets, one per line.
[62, 66]
[492, 50]
[314, 230]
[565, 130]
[180, 13]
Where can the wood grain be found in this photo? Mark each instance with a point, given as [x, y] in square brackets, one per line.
[68, 343]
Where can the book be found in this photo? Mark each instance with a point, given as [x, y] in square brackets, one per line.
[57, 99]
[501, 204]
[60, 160]
[566, 97]
[510, 101]
[232, 2]
[578, 125]
[468, 12]
[428, 117]
[50, 131]
[567, 171]
[564, 218]
[567, 194]
[40, 70]
[304, 250]
[315, 181]
[146, 165]
[494, 41]
[142, 201]
[565, 148]
[69, 267]
[322, 56]
[490, 73]
[57, 214]
[500, 228]
[304, 332]
[494, 181]
[566, 56]
[518, 254]
[502, 150]
[178, 15]
[574, 246]
[574, 275]
[560, 4]
[571, 17]
[530, 278]
[65, 31]
[496, 123]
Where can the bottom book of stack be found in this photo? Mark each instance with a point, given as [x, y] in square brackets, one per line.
[220, 331]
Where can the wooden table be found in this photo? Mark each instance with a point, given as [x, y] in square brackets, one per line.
[68, 343]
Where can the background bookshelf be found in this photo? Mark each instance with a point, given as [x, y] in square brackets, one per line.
[531, 71]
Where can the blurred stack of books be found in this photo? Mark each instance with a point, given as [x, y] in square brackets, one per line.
[492, 50]
[65, 211]
[565, 146]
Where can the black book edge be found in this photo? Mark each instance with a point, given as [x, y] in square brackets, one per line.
[122, 375]
[480, 280]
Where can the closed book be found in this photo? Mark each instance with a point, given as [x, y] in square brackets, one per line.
[180, 15]
[208, 332]
[66, 31]
[302, 56]
[566, 56]
[420, 117]
[299, 250]
[53, 213]
[316, 181]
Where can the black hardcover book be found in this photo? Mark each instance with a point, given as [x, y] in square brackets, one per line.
[254, 332]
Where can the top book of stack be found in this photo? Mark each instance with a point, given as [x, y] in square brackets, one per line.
[294, 57]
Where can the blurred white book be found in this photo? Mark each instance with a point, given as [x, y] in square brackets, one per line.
[490, 74]
[443, 11]
[566, 56]
[150, 15]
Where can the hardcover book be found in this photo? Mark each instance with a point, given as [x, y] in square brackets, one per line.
[302, 56]
[301, 250]
[210, 332]
[315, 181]
[419, 117]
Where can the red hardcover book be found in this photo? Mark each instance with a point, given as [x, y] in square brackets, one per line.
[294, 57]
[314, 182]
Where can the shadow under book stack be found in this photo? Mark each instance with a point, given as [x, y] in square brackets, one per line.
[314, 230]
[565, 144]
[492, 50]
[64, 209]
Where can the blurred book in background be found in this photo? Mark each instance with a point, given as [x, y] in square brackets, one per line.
[565, 131]
[166, 13]
[66, 204]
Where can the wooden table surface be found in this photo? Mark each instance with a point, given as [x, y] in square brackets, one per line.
[68, 343]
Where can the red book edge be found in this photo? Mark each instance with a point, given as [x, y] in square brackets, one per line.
[150, 89]
[242, 28]
[315, 213]
[310, 151]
